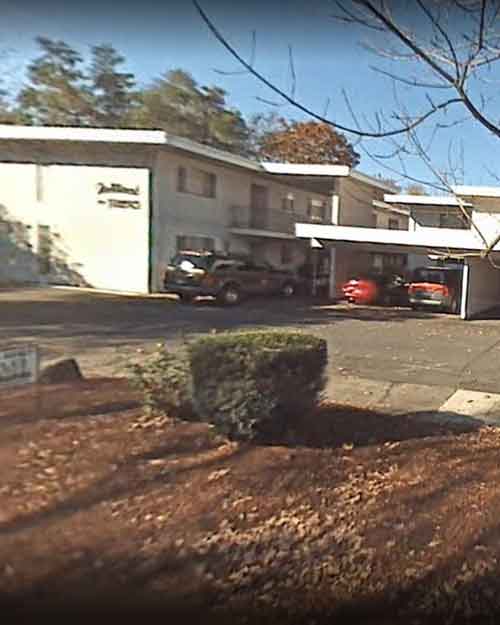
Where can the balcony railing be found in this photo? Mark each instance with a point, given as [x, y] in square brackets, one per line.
[271, 219]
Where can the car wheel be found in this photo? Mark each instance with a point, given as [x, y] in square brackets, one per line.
[288, 289]
[230, 295]
[186, 299]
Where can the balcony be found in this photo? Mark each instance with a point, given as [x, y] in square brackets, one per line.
[270, 221]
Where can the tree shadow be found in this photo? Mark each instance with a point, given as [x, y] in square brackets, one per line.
[20, 264]
[334, 425]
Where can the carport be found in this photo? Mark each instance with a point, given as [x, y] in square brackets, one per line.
[481, 277]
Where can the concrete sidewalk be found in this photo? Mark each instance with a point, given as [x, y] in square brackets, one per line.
[435, 403]
[391, 397]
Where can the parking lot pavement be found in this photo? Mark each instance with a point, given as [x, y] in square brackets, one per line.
[397, 346]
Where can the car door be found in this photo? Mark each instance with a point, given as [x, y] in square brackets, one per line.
[267, 281]
[249, 278]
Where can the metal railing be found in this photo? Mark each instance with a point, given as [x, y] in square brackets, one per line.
[271, 219]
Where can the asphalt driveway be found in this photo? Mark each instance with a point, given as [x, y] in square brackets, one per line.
[391, 345]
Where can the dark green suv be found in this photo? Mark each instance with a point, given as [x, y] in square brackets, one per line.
[228, 278]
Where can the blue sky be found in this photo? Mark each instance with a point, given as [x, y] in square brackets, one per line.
[157, 36]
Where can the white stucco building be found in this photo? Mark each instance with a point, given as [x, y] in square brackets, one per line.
[108, 208]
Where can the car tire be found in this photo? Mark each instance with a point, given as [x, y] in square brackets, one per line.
[186, 299]
[230, 295]
[288, 289]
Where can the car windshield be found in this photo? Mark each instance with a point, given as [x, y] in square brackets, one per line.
[429, 275]
[188, 261]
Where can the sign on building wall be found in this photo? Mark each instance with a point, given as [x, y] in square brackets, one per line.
[19, 365]
[117, 195]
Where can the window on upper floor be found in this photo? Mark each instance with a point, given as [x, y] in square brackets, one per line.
[453, 220]
[393, 223]
[288, 202]
[195, 243]
[196, 181]
[317, 210]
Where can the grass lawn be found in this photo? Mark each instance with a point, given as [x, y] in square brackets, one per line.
[356, 515]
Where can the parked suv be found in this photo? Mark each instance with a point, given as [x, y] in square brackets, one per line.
[225, 277]
[437, 287]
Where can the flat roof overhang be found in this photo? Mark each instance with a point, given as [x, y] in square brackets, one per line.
[419, 241]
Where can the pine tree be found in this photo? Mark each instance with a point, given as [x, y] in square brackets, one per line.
[112, 91]
[56, 93]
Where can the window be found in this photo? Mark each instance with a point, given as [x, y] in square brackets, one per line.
[44, 249]
[452, 220]
[196, 182]
[195, 243]
[316, 210]
[287, 202]
[393, 223]
[286, 254]
[181, 179]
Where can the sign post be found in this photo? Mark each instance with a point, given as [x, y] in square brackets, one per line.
[20, 365]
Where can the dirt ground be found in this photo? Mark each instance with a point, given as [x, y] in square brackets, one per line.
[356, 515]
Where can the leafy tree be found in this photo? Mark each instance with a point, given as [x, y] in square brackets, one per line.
[56, 93]
[308, 142]
[262, 125]
[112, 91]
[416, 189]
[177, 104]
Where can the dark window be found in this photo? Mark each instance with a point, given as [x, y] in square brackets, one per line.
[287, 202]
[181, 179]
[393, 224]
[286, 254]
[195, 243]
[316, 210]
[196, 182]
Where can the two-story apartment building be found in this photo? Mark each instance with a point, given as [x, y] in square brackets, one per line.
[109, 208]
[437, 225]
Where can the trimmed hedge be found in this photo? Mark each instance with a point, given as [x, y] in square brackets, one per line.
[248, 383]
[164, 382]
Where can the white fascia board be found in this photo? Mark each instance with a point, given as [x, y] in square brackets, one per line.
[211, 153]
[473, 191]
[305, 169]
[435, 238]
[423, 200]
[371, 180]
[63, 133]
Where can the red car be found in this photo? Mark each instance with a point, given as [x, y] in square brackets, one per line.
[437, 287]
[360, 291]
[377, 289]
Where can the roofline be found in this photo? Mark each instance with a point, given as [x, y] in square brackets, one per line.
[371, 180]
[305, 169]
[476, 191]
[159, 137]
[71, 133]
[208, 151]
[378, 205]
[424, 200]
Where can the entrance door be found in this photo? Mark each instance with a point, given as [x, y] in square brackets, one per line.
[258, 206]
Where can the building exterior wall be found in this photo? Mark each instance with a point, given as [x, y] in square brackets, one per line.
[483, 290]
[185, 214]
[356, 202]
[54, 225]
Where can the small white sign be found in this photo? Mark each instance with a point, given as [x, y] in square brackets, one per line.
[19, 365]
